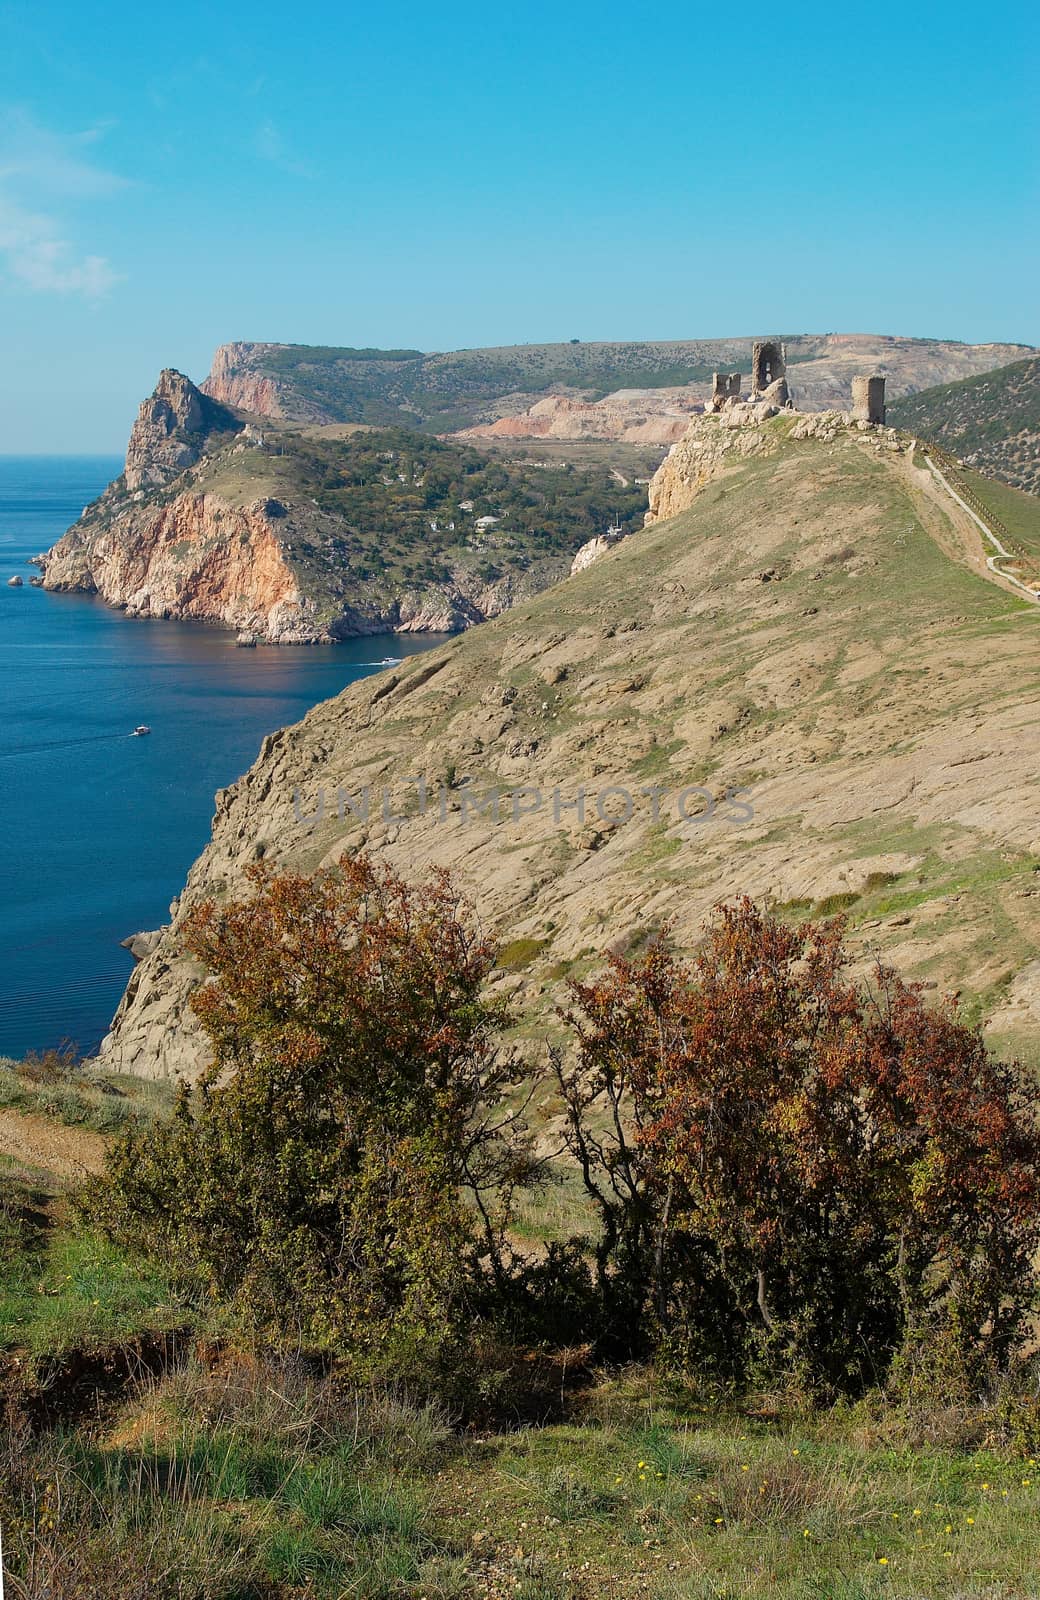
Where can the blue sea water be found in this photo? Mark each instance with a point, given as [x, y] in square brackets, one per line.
[99, 829]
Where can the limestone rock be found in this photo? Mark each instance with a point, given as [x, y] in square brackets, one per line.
[593, 549]
[141, 945]
[709, 446]
[171, 430]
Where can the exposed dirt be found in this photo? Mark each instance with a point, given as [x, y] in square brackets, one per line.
[38, 1141]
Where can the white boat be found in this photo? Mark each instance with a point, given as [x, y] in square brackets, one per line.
[140, 731]
[390, 661]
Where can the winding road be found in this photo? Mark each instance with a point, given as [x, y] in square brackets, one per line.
[1001, 554]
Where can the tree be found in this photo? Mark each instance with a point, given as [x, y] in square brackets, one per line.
[341, 1174]
[795, 1173]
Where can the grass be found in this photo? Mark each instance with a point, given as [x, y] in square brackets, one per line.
[62, 1290]
[519, 953]
[303, 1487]
[1017, 510]
[52, 1085]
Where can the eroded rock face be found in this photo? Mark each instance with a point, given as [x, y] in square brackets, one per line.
[171, 431]
[196, 558]
[635, 416]
[232, 382]
[710, 444]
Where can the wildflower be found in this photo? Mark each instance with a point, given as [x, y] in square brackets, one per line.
[917, 1511]
[805, 1533]
[970, 1521]
[882, 1561]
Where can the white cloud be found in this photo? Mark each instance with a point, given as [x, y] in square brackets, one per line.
[270, 146]
[37, 165]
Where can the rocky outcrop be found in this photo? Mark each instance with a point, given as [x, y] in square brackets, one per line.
[709, 446]
[593, 549]
[197, 558]
[171, 431]
[718, 441]
[234, 381]
[141, 945]
[191, 531]
[202, 558]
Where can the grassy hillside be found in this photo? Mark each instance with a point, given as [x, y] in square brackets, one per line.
[814, 630]
[991, 422]
[817, 629]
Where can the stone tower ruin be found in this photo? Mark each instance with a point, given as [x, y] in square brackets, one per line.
[724, 386]
[868, 399]
[768, 364]
[769, 372]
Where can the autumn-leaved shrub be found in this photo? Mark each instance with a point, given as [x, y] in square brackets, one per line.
[340, 1176]
[799, 1176]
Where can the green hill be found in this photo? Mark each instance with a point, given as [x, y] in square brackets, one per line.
[991, 422]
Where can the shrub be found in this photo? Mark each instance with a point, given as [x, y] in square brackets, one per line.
[341, 1176]
[797, 1176]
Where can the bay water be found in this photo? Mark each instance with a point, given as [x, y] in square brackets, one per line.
[100, 828]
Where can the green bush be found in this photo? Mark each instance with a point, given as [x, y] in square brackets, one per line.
[340, 1178]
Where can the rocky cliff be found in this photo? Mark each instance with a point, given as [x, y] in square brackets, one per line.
[173, 428]
[805, 686]
[234, 380]
[296, 537]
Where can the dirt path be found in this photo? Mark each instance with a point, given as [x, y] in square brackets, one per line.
[37, 1141]
[958, 532]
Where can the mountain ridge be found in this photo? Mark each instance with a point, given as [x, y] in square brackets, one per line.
[644, 390]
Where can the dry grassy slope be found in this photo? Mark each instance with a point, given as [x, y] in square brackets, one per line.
[877, 695]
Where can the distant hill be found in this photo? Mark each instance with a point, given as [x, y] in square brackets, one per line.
[639, 392]
[992, 422]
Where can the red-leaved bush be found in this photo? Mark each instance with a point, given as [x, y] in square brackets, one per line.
[799, 1175]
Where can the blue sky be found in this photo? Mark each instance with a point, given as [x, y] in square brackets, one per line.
[467, 174]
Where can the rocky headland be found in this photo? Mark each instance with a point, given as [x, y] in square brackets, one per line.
[297, 537]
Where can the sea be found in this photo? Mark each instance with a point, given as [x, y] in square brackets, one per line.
[99, 827]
